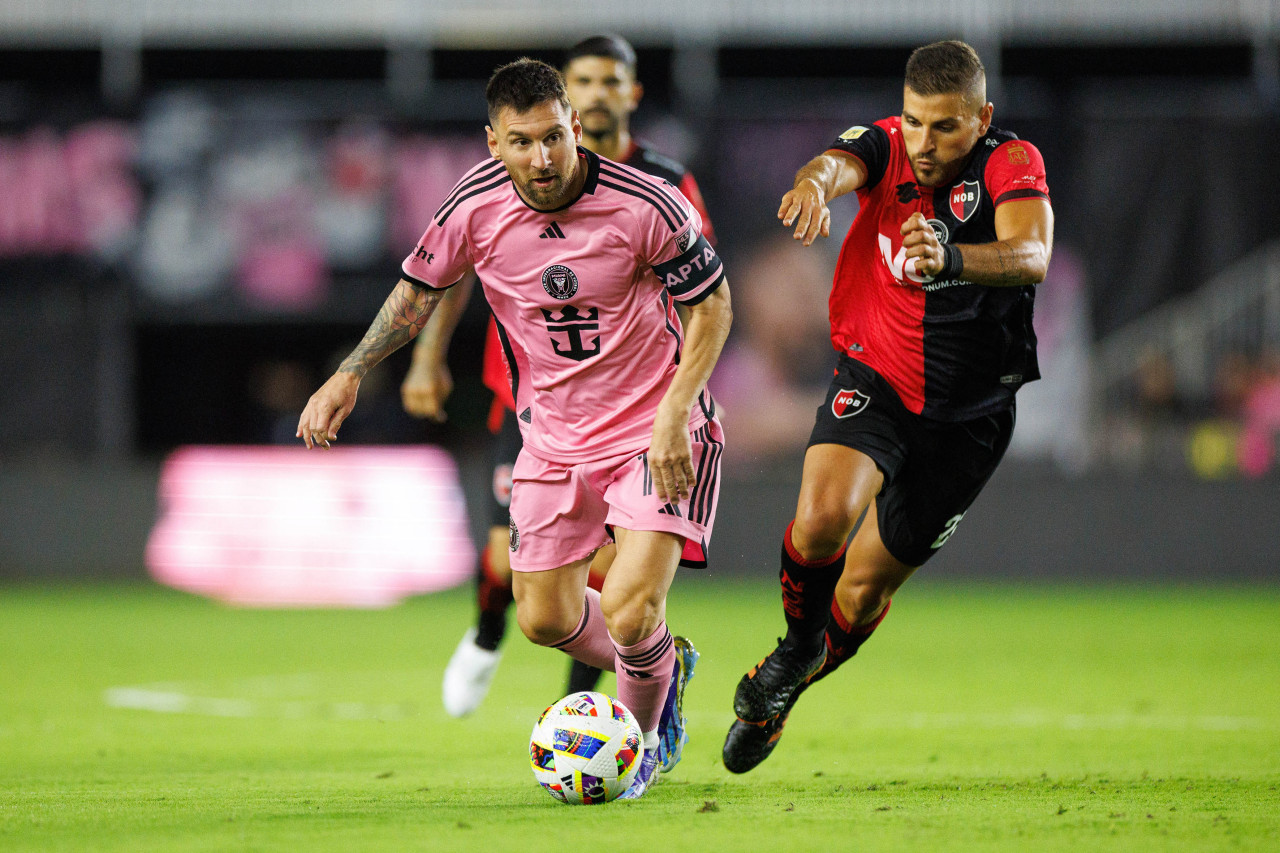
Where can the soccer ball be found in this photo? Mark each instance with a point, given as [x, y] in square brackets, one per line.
[586, 749]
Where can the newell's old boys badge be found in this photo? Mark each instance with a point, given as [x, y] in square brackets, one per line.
[848, 403]
[964, 199]
[559, 281]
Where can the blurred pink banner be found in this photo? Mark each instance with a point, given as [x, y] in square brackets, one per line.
[279, 526]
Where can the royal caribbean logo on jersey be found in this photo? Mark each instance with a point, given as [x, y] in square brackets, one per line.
[964, 199]
[848, 403]
[559, 281]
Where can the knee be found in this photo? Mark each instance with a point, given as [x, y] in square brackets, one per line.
[544, 624]
[820, 530]
[631, 619]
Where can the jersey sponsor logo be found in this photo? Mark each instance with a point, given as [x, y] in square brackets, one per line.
[907, 192]
[897, 263]
[1018, 155]
[940, 230]
[848, 403]
[559, 281]
[947, 531]
[853, 132]
[964, 199]
[572, 324]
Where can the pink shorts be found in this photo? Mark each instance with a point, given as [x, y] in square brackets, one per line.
[561, 513]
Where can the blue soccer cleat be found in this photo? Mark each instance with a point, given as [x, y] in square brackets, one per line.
[672, 732]
[646, 777]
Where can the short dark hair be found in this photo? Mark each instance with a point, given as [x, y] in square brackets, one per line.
[522, 85]
[609, 46]
[947, 67]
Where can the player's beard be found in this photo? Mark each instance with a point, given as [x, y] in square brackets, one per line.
[933, 179]
[551, 196]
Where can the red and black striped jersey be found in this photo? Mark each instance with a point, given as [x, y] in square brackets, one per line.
[953, 350]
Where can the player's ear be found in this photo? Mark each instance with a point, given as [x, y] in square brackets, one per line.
[576, 123]
[637, 92]
[492, 139]
[984, 117]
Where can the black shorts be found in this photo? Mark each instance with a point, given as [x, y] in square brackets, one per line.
[505, 449]
[933, 470]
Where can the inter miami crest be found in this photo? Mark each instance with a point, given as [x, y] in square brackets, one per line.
[848, 403]
[514, 535]
[559, 281]
[964, 199]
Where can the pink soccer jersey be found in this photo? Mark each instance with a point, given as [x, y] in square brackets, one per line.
[583, 297]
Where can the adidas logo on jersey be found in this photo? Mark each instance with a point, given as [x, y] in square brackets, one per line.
[552, 231]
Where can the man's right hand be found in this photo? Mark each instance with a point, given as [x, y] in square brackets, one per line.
[327, 409]
[425, 389]
[806, 206]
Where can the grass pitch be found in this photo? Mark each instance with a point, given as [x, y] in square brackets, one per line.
[978, 718]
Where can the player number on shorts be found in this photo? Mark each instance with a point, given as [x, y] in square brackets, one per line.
[947, 531]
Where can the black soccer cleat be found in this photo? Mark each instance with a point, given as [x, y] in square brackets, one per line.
[765, 691]
[748, 744]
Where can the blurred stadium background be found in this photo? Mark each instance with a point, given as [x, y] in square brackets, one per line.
[203, 205]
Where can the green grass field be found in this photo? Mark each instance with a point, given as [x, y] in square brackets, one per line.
[978, 718]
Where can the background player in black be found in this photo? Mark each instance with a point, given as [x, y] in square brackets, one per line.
[918, 332]
[600, 79]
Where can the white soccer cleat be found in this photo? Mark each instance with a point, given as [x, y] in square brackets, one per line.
[468, 676]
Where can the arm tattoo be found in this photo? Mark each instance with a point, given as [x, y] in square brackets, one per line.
[1007, 262]
[401, 317]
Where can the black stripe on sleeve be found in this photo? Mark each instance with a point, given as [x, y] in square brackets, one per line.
[620, 188]
[424, 284]
[1014, 195]
[673, 207]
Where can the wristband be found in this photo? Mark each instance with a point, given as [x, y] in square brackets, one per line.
[952, 263]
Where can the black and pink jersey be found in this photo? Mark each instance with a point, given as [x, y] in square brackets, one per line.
[953, 350]
[584, 298]
[638, 157]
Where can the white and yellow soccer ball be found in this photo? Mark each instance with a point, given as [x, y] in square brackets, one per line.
[586, 749]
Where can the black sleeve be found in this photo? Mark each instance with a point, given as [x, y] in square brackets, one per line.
[870, 144]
